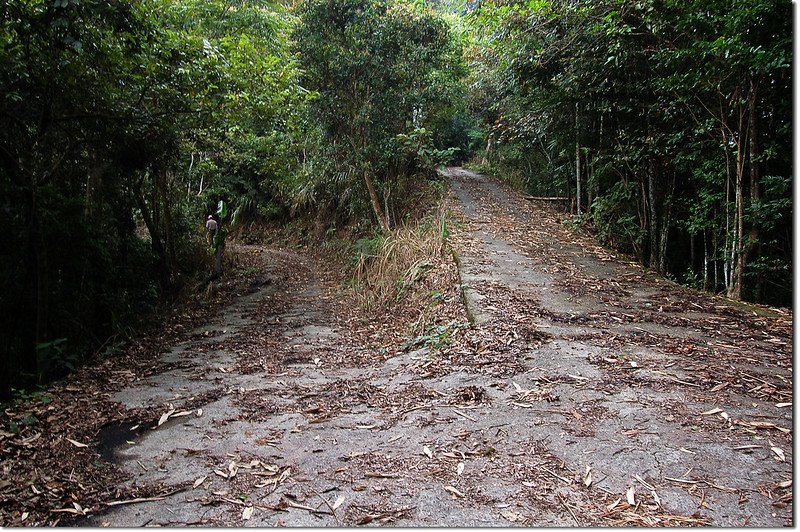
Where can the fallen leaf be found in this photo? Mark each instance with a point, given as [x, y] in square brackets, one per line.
[270, 468]
[427, 451]
[711, 412]
[587, 477]
[785, 484]
[514, 517]
[779, 453]
[460, 468]
[613, 505]
[24, 516]
[631, 496]
[199, 481]
[31, 439]
[66, 510]
[454, 491]
[338, 502]
[220, 473]
[247, 513]
[369, 518]
[165, 416]
[655, 497]
[76, 443]
[199, 412]
[759, 424]
[783, 405]
[643, 482]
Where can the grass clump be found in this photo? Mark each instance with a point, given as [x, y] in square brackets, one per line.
[388, 266]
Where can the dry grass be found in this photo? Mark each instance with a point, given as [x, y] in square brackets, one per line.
[400, 260]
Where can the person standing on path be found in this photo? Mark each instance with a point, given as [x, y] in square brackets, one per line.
[211, 226]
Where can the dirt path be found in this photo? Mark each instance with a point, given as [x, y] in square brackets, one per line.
[680, 396]
[584, 384]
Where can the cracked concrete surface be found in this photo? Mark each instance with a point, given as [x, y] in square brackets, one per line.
[498, 462]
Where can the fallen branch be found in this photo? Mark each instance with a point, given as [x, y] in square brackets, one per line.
[333, 511]
[569, 509]
[135, 501]
[307, 508]
[673, 378]
[254, 505]
[557, 476]
[381, 475]
[455, 409]
[147, 499]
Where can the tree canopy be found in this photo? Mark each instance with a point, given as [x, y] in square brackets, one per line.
[655, 117]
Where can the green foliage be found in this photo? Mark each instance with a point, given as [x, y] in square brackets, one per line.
[366, 248]
[382, 72]
[614, 217]
[126, 123]
[649, 105]
[222, 209]
[436, 336]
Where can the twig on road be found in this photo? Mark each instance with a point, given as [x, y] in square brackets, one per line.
[569, 509]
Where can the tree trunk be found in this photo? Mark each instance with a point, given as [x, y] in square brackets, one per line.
[642, 214]
[43, 362]
[376, 203]
[664, 223]
[41, 281]
[730, 231]
[387, 191]
[652, 210]
[738, 256]
[578, 188]
[169, 232]
[94, 180]
[755, 185]
[706, 279]
[735, 288]
[152, 229]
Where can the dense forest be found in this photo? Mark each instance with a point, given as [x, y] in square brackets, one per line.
[125, 124]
